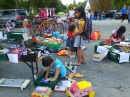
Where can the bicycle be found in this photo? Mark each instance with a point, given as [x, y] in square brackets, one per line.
[8, 26]
[46, 26]
[66, 23]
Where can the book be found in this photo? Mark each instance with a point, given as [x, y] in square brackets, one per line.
[41, 89]
[60, 88]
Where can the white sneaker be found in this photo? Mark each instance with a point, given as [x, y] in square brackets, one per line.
[72, 56]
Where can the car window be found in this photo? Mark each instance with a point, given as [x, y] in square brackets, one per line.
[5, 13]
[12, 12]
[22, 12]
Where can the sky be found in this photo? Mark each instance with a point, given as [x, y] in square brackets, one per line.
[70, 1]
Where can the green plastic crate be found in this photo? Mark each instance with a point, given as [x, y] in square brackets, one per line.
[113, 56]
[53, 46]
[101, 44]
[52, 85]
[15, 35]
[3, 57]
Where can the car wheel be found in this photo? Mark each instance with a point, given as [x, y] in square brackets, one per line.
[14, 24]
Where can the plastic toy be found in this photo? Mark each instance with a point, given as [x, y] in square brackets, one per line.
[70, 67]
[80, 89]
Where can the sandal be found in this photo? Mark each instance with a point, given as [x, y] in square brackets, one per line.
[83, 62]
[76, 64]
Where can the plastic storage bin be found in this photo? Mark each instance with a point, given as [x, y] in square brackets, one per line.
[15, 35]
[38, 81]
[56, 34]
[53, 46]
[3, 57]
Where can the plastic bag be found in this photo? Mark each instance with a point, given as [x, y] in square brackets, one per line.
[95, 35]
[62, 53]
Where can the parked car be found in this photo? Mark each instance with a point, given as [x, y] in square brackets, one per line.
[16, 16]
[118, 15]
[111, 13]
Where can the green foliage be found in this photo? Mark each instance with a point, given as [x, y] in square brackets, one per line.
[57, 4]
[82, 3]
[7, 4]
[118, 4]
[103, 5]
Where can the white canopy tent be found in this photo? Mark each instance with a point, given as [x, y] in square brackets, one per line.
[87, 6]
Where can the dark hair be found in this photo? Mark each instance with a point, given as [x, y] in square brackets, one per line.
[46, 61]
[82, 12]
[120, 31]
[72, 27]
[71, 8]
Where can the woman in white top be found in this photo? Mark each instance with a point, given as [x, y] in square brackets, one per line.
[71, 12]
[88, 15]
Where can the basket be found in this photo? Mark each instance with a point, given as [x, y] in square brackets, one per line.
[15, 35]
[3, 57]
[53, 46]
[52, 85]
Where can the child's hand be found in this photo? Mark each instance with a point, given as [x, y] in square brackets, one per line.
[53, 79]
[46, 78]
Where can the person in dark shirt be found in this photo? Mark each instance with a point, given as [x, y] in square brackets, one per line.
[95, 15]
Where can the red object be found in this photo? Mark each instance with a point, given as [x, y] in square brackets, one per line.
[34, 39]
[28, 25]
[107, 41]
[95, 35]
[20, 17]
[70, 34]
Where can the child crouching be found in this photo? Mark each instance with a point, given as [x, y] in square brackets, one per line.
[55, 65]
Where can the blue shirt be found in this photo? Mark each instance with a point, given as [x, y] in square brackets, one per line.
[124, 10]
[58, 63]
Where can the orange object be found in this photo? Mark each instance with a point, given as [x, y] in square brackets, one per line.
[62, 53]
[95, 35]
[107, 41]
[47, 36]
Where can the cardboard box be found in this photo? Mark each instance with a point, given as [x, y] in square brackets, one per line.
[25, 22]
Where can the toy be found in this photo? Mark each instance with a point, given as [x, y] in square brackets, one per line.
[77, 75]
[70, 67]
[80, 89]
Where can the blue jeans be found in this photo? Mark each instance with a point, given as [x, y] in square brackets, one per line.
[129, 18]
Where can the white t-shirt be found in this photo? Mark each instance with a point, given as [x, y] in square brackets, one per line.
[71, 13]
[88, 15]
[115, 31]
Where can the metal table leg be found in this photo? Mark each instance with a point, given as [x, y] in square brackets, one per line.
[32, 68]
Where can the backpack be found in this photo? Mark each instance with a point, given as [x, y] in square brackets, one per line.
[87, 29]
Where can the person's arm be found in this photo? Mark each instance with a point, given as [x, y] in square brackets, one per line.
[123, 38]
[47, 73]
[56, 74]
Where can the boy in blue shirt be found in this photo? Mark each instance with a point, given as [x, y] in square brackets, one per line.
[54, 65]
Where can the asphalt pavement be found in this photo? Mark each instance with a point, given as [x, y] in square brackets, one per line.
[108, 78]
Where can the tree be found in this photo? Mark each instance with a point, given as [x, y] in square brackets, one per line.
[82, 3]
[40, 3]
[103, 5]
[118, 4]
[7, 4]
[17, 3]
[94, 5]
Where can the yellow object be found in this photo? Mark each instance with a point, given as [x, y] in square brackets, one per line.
[92, 94]
[50, 40]
[80, 22]
[84, 84]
